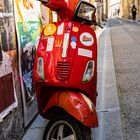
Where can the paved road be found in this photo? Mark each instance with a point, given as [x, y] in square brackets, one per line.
[125, 38]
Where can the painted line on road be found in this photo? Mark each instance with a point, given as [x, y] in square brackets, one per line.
[108, 110]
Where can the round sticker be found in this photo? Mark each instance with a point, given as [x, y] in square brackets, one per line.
[73, 45]
[73, 38]
[86, 39]
[49, 29]
[75, 29]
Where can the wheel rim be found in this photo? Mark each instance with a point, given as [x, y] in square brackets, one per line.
[61, 130]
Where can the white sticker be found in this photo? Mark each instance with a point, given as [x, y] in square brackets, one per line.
[65, 44]
[60, 29]
[86, 39]
[85, 52]
[73, 45]
[50, 44]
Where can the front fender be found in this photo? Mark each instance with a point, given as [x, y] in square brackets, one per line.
[77, 105]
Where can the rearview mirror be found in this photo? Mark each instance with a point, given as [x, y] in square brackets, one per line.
[85, 11]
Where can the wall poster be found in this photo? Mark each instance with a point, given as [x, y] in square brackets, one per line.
[29, 27]
[8, 98]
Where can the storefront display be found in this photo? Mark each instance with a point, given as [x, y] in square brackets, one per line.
[29, 27]
[8, 99]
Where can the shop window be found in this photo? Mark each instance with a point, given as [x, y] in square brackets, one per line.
[2, 104]
[6, 91]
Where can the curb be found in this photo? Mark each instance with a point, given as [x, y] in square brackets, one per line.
[110, 127]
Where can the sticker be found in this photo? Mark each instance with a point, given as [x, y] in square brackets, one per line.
[50, 44]
[60, 29]
[67, 28]
[58, 43]
[75, 29]
[73, 45]
[73, 39]
[65, 45]
[85, 52]
[49, 29]
[86, 39]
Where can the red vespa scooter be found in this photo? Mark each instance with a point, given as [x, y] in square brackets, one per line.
[65, 71]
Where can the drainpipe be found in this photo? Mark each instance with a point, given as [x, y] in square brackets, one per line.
[98, 5]
[105, 9]
[137, 6]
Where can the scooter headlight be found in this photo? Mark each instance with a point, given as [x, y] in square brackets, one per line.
[40, 68]
[89, 71]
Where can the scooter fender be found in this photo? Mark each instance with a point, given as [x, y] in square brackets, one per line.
[77, 105]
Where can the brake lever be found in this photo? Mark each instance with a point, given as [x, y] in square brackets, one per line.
[100, 26]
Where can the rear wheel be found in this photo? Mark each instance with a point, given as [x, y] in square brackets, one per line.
[66, 128]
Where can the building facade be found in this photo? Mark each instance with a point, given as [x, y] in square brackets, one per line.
[11, 118]
[126, 8]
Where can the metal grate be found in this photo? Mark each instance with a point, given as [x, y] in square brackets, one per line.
[63, 70]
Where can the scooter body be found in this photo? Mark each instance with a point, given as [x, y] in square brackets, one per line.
[65, 72]
[65, 57]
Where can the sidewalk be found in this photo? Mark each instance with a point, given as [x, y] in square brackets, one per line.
[107, 102]
[35, 132]
[130, 20]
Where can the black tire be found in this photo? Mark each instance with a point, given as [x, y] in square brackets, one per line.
[66, 128]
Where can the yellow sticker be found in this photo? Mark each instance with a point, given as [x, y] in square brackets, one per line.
[50, 29]
[75, 29]
[58, 43]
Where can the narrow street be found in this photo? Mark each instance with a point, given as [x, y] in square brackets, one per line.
[125, 38]
[49, 53]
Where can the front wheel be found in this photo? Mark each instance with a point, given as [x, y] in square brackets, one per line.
[66, 128]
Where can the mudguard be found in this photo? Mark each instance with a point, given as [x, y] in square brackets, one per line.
[77, 105]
